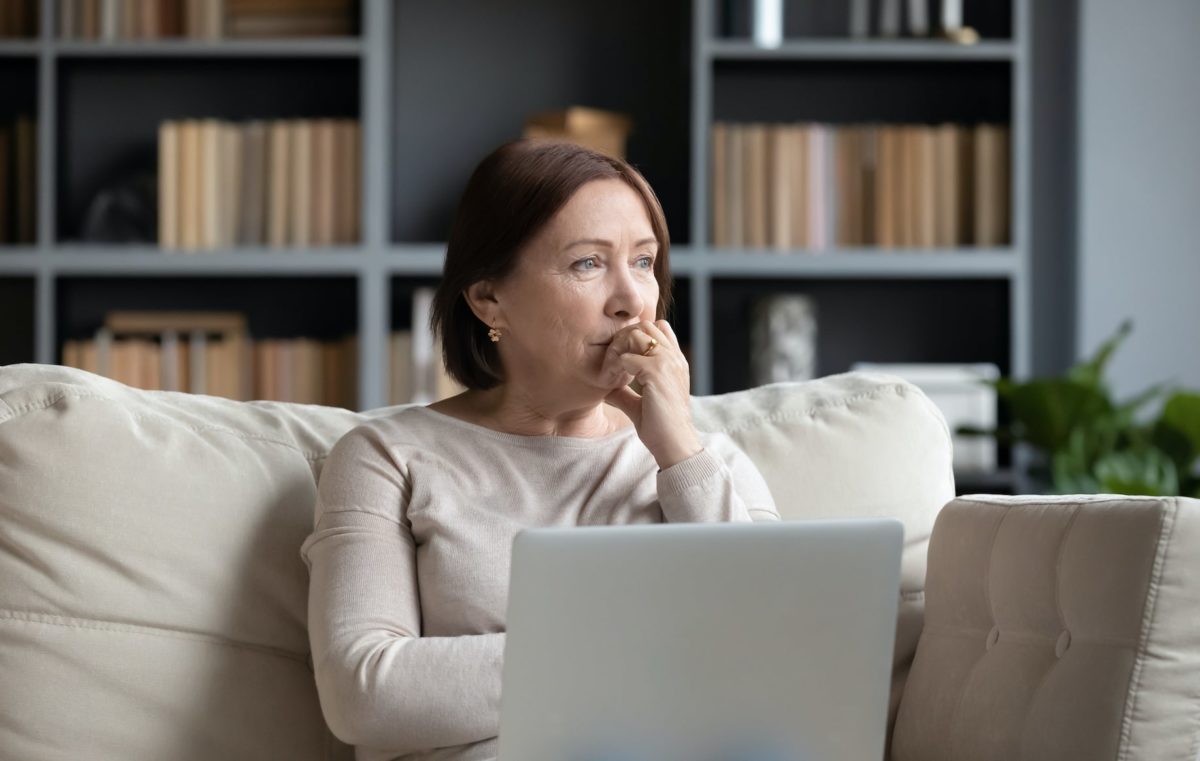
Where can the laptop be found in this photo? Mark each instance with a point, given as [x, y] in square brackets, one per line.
[701, 642]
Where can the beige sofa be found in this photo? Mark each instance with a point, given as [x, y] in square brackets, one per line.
[153, 601]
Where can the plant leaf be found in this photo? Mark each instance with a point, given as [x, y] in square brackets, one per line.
[1145, 471]
[1091, 372]
[1049, 409]
[1182, 413]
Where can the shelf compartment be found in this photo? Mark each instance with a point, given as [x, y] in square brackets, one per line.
[99, 146]
[324, 309]
[447, 118]
[870, 321]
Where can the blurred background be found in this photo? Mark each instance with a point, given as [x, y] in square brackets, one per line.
[251, 197]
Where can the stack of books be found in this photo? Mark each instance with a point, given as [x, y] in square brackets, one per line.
[275, 183]
[18, 181]
[18, 18]
[814, 186]
[112, 20]
[212, 353]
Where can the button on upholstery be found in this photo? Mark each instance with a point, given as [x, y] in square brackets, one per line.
[993, 637]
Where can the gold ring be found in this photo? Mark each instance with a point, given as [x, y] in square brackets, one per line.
[650, 348]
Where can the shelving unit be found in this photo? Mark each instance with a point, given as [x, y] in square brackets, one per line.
[435, 89]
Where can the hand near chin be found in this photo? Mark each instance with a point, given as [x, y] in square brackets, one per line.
[662, 413]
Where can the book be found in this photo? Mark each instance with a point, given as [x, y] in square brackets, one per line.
[252, 214]
[719, 178]
[991, 185]
[780, 179]
[400, 368]
[301, 191]
[280, 183]
[756, 184]
[324, 187]
[168, 185]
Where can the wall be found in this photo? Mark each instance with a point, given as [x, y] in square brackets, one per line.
[1139, 188]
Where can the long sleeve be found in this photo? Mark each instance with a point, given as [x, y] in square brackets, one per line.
[717, 484]
[380, 683]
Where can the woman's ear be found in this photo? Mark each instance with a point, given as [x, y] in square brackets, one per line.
[481, 297]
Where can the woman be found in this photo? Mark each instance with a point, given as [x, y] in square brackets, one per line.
[556, 281]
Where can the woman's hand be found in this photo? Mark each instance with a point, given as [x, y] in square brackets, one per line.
[662, 414]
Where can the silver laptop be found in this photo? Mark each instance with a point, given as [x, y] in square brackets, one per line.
[701, 642]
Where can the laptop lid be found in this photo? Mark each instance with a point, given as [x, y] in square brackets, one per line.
[701, 642]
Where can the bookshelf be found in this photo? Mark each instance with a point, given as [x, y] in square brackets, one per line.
[433, 89]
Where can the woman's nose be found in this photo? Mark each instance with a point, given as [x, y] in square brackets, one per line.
[624, 300]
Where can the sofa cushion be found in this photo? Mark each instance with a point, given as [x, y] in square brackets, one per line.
[1058, 628]
[152, 596]
[152, 599]
[859, 444]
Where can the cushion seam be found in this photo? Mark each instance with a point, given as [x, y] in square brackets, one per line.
[1166, 530]
[52, 401]
[791, 414]
[75, 622]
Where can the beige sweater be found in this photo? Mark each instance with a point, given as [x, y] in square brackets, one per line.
[409, 561]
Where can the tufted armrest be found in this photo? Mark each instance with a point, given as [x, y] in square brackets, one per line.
[1058, 628]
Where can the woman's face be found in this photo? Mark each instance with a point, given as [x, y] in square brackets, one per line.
[588, 273]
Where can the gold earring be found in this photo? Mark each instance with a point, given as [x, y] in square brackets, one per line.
[494, 334]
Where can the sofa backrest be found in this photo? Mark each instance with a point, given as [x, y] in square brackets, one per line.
[152, 597]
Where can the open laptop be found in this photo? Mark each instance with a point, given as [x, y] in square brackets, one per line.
[701, 642]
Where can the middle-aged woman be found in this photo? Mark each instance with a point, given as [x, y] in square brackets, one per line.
[551, 303]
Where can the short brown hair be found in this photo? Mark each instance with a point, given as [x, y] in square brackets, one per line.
[511, 196]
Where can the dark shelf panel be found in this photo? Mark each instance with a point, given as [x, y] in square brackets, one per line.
[17, 318]
[837, 91]
[19, 85]
[275, 307]
[499, 63]
[870, 321]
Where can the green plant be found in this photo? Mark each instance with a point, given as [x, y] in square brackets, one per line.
[1092, 444]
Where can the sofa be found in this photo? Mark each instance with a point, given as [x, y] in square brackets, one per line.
[153, 600]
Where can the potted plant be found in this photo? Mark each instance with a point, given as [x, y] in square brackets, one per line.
[1090, 443]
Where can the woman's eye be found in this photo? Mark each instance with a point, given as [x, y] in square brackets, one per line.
[582, 262]
[648, 261]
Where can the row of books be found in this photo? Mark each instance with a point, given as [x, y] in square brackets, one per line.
[812, 186]
[18, 18]
[301, 370]
[18, 181]
[292, 182]
[111, 20]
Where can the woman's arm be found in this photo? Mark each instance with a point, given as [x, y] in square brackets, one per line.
[719, 483]
[380, 683]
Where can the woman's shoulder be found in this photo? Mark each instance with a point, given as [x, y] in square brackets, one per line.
[408, 425]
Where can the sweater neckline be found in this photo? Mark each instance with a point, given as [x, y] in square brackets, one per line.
[537, 440]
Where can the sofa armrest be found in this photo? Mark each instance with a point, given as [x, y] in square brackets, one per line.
[1063, 627]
